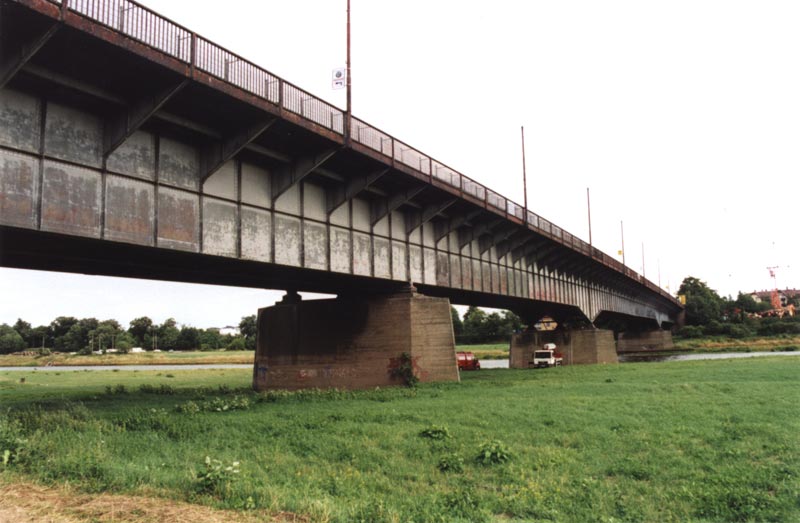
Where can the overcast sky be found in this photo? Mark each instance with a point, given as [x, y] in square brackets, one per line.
[682, 117]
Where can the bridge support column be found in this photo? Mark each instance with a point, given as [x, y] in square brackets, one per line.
[655, 340]
[584, 346]
[353, 342]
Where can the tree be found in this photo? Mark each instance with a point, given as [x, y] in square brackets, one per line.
[59, 328]
[188, 339]
[703, 305]
[513, 323]
[474, 325]
[211, 339]
[168, 335]
[458, 325]
[40, 336]
[105, 335]
[23, 328]
[248, 330]
[10, 340]
[140, 328]
[78, 337]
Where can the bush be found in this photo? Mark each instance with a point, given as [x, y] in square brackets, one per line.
[737, 331]
[237, 343]
[691, 331]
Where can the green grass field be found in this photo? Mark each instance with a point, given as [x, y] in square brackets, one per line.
[686, 441]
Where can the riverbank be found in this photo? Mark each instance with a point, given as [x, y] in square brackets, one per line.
[60, 359]
[688, 441]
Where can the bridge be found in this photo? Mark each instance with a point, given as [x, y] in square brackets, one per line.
[132, 146]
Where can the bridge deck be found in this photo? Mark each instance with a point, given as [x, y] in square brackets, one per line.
[158, 92]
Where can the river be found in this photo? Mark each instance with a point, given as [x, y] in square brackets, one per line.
[636, 357]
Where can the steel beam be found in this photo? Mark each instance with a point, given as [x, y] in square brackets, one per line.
[12, 62]
[428, 213]
[495, 237]
[219, 153]
[341, 195]
[298, 170]
[131, 118]
[513, 242]
[384, 206]
[443, 228]
[476, 231]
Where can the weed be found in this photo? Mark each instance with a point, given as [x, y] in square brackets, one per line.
[493, 453]
[116, 389]
[403, 368]
[12, 442]
[436, 433]
[215, 405]
[216, 477]
[163, 389]
[451, 463]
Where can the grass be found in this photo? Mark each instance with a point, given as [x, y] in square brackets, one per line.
[688, 441]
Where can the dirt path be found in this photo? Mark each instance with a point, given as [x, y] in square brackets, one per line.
[29, 503]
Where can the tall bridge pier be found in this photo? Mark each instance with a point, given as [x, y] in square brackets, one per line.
[354, 342]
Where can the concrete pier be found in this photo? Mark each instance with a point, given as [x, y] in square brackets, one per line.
[578, 347]
[353, 342]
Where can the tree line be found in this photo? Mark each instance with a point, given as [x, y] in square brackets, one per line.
[709, 314]
[69, 334]
[479, 327]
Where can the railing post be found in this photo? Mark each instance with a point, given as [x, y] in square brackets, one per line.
[64, 9]
[193, 54]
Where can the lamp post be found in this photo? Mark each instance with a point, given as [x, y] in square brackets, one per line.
[349, 107]
[589, 212]
[524, 175]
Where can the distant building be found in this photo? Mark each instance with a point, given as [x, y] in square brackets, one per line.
[230, 331]
[784, 295]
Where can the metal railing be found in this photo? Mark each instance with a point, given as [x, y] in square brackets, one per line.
[149, 28]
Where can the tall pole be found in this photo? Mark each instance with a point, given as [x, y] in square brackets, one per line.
[348, 120]
[524, 175]
[642, 258]
[589, 211]
[622, 235]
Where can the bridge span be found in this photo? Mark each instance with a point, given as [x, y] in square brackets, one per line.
[131, 146]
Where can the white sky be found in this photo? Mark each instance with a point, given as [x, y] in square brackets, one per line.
[682, 117]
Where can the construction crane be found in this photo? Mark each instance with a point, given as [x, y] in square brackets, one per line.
[775, 297]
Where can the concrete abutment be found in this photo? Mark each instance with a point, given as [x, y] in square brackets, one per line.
[353, 342]
[655, 340]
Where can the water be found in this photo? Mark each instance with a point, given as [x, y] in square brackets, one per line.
[638, 357]
[634, 357]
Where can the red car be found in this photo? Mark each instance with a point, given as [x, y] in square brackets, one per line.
[467, 361]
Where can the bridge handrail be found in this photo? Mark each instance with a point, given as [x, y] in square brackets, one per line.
[158, 32]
